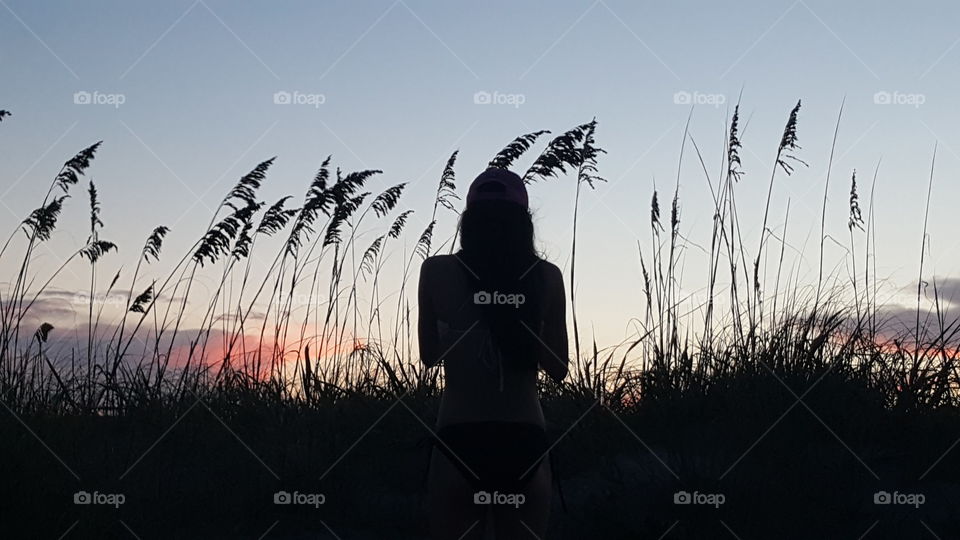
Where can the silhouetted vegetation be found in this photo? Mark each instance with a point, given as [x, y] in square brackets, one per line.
[796, 401]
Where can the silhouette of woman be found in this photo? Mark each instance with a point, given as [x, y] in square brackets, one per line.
[494, 314]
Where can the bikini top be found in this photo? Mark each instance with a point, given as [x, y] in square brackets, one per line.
[488, 354]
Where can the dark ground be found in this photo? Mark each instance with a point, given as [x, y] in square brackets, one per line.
[809, 473]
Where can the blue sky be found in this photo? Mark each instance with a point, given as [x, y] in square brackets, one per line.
[398, 81]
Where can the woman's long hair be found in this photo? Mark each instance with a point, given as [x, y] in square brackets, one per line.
[497, 249]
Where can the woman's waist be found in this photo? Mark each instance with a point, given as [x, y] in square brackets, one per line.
[471, 376]
[459, 411]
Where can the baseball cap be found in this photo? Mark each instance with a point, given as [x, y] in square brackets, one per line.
[496, 184]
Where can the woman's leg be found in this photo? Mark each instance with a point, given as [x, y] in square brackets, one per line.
[453, 514]
[527, 521]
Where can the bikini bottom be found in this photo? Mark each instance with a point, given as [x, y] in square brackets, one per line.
[494, 455]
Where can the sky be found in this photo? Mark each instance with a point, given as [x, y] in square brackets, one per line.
[189, 95]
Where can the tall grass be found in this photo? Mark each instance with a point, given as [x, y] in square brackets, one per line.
[253, 335]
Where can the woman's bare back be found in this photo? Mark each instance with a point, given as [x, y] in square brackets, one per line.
[477, 387]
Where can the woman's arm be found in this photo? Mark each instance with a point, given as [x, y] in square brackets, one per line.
[555, 359]
[427, 320]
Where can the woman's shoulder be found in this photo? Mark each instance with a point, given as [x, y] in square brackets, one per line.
[550, 271]
[438, 263]
[448, 262]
